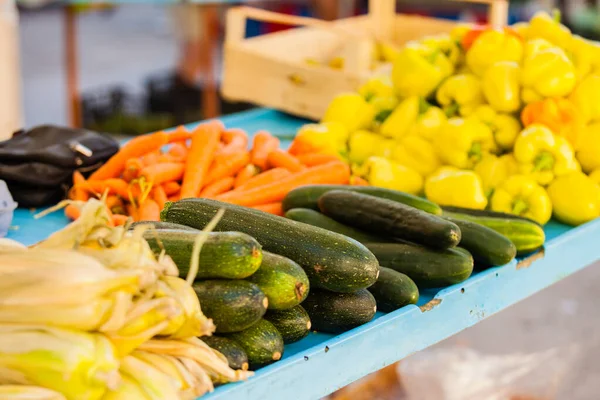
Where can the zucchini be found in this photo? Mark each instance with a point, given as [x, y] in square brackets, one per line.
[262, 342]
[393, 290]
[315, 218]
[339, 312]
[235, 354]
[226, 255]
[528, 236]
[163, 225]
[388, 218]
[331, 261]
[308, 196]
[232, 305]
[487, 246]
[283, 281]
[293, 324]
[428, 268]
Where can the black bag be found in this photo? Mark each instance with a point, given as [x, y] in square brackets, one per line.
[38, 164]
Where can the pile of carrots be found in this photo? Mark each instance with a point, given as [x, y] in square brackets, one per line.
[209, 161]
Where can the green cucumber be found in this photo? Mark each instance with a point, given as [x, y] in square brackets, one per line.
[308, 196]
[339, 312]
[283, 281]
[487, 246]
[293, 324]
[262, 342]
[428, 268]
[393, 290]
[331, 261]
[226, 255]
[528, 236]
[235, 354]
[232, 305]
[315, 218]
[390, 219]
[163, 225]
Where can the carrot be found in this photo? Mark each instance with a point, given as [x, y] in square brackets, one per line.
[149, 211]
[115, 204]
[333, 173]
[132, 211]
[119, 219]
[205, 140]
[245, 175]
[72, 212]
[312, 159]
[133, 166]
[358, 181]
[228, 167]
[78, 192]
[159, 195]
[136, 147]
[113, 185]
[217, 187]
[271, 208]
[178, 151]
[150, 158]
[164, 172]
[272, 175]
[263, 144]
[280, 158]
[175, 197]
[180, 134]
[235, 136]
[171, 188]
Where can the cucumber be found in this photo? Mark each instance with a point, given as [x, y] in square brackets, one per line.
[339, 312]
[308, 196]
[293, 324]
[262, 342]
[163, 225]
[428, 268]
[388, 218]
[235, 354]
[232, 305]
[226, 255]
[315, 218]
[528, 236]
[487, 246]
[393, 290]
[283, 281]
[331, 261]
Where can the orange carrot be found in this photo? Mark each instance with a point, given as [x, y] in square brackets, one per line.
[312, 159]
[333, 173]
[113, 185]
[171, 188]
[72, 212]
[136, 147]
[280, 158]
[115, 204]
[235, 136]
[150, 158]
[228, 167]
[78, 192]
[133, 212]
[263, 144]
[164, 172]
[149, 211]
[178, 151]
[245, 175]
[119, 219]
[271, 208]
[179, 134]
[133, 166]
[205, 141]
[175, 197]
[358, 181]
[217, 187]
[159, 195]
[272, 175]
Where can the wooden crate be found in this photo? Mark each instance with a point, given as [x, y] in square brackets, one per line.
[271, 70]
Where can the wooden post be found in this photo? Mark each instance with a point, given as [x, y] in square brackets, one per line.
[210, 94]
[72, 68]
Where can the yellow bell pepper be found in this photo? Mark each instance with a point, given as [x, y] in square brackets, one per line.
[384, 106]
[493, 46]
[351, 110]
[534, 45]
[416, 153]
[595, 176]
[588, 148]
[501, 86]
[449, 186]
[492, 171]
[377, 86]
[522, 196]
[584, 54]
[547, 27]
[446, 44]
[543, 155]
[547, 73]
[460, 94]
[505, 127]
[586, 98]
[326, 138]
[399, 122]
[379, 171]
[364, 144]
[387, 51]
[575, 198]
[459, 31]
[463, 142]
[429, 123]
[419, 69]
[521, 28]
[512, 166]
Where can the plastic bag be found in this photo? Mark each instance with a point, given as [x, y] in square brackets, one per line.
[464, 374]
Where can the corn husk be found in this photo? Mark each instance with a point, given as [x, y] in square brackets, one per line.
[129, 389]
[186, 383]
[81, 366]
[16, 392]
[10, 245]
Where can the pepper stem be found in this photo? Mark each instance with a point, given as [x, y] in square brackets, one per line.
[543, 162]
[475, 152]
[556, 15]
[423, 105]
[451, 110]
[519, 207]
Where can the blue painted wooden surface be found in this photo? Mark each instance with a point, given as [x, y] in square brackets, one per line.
[322, 363]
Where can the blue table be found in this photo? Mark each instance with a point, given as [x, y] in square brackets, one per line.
[322, 363]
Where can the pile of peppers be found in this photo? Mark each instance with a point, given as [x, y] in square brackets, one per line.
[507, 120]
